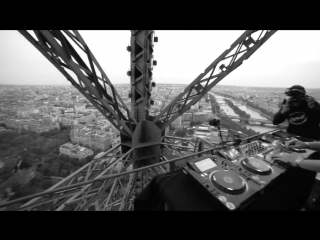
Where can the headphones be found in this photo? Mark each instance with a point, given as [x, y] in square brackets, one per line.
[295, 93]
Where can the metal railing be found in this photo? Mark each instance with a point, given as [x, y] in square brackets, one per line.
[109, 183]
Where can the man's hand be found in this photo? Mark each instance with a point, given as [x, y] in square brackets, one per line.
[285, 109]
[296, 144]
[287, 158]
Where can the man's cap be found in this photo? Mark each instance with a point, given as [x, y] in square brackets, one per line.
[296, 91]
[298, 87]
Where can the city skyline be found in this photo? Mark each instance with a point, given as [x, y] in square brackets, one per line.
[159, 84]
[51, 136]
[279, 63]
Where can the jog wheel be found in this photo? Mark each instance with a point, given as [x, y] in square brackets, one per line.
[228, 181]
[256, 166]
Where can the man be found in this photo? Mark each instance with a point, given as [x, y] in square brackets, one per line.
[302, 113]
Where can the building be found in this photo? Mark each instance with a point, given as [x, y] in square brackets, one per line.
[203, 131]
[186, 123]
[44, 109]
[86, 119]
[95, 139]
[118, 166]
[80, 107]
[195, 106]
[200, 116]
[177, 122]
[23, 113]
[75, 151]
[66, 122]
[100, 155]
[69, 112]
[3, 116]
[187, 117]
[34, 111]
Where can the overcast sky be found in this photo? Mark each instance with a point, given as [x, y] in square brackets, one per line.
[287, 58]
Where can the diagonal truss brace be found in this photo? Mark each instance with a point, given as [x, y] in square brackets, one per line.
[243, 48]
[56, 46]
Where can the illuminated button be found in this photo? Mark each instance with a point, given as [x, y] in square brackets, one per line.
[230, 205]
[222, 198]
[227, 179]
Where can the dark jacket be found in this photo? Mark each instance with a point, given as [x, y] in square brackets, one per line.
[303, 120]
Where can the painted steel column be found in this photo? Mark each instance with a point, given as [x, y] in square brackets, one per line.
[141, 72]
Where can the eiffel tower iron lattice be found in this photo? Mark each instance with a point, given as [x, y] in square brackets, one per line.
[112, 181]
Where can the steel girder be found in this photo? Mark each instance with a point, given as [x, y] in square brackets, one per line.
[142, 43]
[229, 60]
[58, 46]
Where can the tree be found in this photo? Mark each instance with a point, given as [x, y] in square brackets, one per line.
[35, 135]
[89, 158]
[10, 136]
[63, 136]
[39, 177]
[25, 191]
[44, 169]
[46, 184]
[24, 165]
[40, 142]
[5, 175]
[5, 146]
[54, 155]
[15, 187]
[23, 131]
[37, 151]
[76, 168]
[64, 173]
[64, 158]
[172, 127]
[49, 160]
[73, 161]
[68, 166]
[55, 169]
[55, 131]
[13, 207]
[181, 132]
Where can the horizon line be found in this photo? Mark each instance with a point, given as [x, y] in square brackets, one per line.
[157, 84]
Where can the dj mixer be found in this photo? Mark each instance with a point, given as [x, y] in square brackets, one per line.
[244, 176]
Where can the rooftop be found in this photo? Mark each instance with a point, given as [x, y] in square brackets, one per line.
[69, 146]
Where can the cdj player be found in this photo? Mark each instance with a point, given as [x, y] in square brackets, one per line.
[244, 177]
[231, 188]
